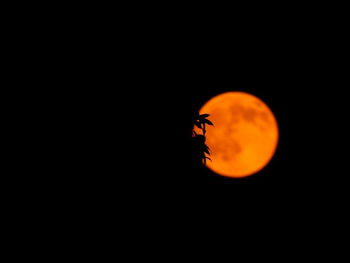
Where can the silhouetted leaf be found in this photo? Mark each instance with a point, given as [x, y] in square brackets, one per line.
[205, 159]
[208, 122]
[199, 125]
[203, 116]
[199, 145]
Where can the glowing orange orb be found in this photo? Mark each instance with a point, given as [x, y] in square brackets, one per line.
[244, 136]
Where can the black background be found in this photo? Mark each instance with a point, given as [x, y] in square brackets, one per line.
[132, 86]
[144, 113]
[120, 92]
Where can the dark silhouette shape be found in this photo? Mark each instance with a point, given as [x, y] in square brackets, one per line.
[200, 149]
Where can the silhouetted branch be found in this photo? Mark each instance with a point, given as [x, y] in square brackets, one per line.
[200, 148]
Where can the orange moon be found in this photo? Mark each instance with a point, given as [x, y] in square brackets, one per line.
[244, 137]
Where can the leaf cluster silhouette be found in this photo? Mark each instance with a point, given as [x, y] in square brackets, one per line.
[201, 150]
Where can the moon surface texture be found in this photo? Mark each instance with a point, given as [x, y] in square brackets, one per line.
[244, 137]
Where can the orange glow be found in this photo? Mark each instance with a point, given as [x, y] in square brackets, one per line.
[244, 136]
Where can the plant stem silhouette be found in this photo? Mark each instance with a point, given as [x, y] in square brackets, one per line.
[201, 150]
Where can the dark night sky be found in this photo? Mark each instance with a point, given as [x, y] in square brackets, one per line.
[286, 85]
[291, 73]
[145, 83]
[123, 90]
